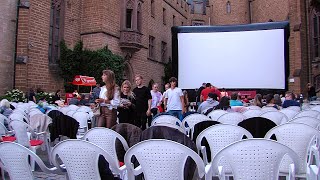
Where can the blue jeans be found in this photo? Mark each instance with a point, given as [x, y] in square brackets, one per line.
[176, 113]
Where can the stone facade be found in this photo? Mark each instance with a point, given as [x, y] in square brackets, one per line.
[104, 22]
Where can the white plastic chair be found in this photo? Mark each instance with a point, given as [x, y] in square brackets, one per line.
[298, 137]
[80, 159]
[106, 139]
[73, 107]
[254, 107]
[82, 118]
[232, 118]
[316, 108]
[14, 159]
[215, 114]
[24, 133]
[84, 109]
[34, 112]
[313, 122]
[166, 119]
[3, 119]
[295, 108]
[161, 159]
[310, 113]
[218, 137]
[275, 116]
[191, 120]
[266, 109]
[18, 116]
[254, 159]
[64, 110]
[71, 113]
[289, 113]
[252, 113]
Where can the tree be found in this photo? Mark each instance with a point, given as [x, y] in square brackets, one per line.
[80, 61]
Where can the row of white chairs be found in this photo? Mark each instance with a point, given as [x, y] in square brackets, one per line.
[248, 159]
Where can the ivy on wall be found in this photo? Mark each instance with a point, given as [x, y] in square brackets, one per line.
[80, 61]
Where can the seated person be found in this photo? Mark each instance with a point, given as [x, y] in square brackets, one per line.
[211, 102]
[234, 100]
[289, 100]
[270, 102]
[84, 100]
[5, 107]
[74, 100]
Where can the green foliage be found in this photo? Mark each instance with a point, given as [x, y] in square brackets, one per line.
[168, 73]
[14, 95]
[80, 61]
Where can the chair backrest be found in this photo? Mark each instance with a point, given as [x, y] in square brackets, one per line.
[254, 159]
[73, 107]
[313, 164]
[289, 113]
[266, 109]
[215, 114]
[71, 113]
[81, 117]
[106, 139]
[14, 159]
[231, 118]
[275, 116]
[252, 113]
[296, 136]
[193, 119]
[64, 110]
[166, 119]
[311, 121]
[295, 108]
[18, 116]
[257, 126]
[81, 159]
[310, 113]
[161, 159]
[254, 107]
[21, 130]
[316, 108]
[181, 129]
[220, 136]
[34, 112]
[84, 109]
[3, 130]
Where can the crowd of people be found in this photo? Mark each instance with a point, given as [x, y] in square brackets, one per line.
[139, 105]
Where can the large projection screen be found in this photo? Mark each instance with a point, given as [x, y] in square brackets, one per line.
[233, 57]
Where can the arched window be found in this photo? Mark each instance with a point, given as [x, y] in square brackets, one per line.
[228, 7]
[55, 34]
[315, 34]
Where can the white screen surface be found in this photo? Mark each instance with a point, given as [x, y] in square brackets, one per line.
[232, 60]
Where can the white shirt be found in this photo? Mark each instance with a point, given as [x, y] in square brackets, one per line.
[174, 101]
[114, 103]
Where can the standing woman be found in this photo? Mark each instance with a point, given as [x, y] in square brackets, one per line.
[109, 100]
[127, 104]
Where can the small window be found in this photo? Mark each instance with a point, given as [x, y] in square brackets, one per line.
[163, 51]
[152, 8]
[228, 7]
[139, 18]
[151, 47]
[164, 16]
[173, 20]
[129, 19]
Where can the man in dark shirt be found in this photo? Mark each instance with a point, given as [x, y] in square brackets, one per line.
[143, 103]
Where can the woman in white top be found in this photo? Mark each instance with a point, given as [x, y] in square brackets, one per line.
[109, 100]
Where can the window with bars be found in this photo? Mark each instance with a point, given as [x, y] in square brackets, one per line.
[315, 35]
[54, 31]
[151, 47]
[139, 18]
[228, 7]
[163, 51]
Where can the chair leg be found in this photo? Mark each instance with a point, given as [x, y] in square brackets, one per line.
[2, 173]
[32, 161]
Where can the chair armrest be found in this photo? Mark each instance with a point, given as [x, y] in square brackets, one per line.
[137, 170]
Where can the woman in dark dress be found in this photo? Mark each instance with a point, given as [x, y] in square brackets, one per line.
[127, 104]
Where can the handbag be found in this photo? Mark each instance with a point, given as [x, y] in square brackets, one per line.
[96, 110]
